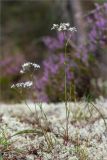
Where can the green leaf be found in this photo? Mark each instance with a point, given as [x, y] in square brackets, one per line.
[27, 131]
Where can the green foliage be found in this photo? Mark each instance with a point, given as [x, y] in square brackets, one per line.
[91, 57]
[4, 141]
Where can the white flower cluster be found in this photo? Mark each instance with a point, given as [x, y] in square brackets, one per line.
[28, 65]
[27, 84]
[64, 27]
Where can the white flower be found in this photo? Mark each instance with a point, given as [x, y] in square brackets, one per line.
[22, 85]
[27, 66]
[55, 26]
[21, 71]
[67, 24]
[72, 29]
[63, 27]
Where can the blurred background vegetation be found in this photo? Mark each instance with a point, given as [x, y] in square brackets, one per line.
[23, 25]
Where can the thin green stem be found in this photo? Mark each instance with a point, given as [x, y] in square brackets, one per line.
[65, 89]
[20, 95]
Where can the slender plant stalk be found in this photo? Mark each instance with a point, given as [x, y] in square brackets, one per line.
[100, 114]
[65, 90]
[20, 95]
[47, 137]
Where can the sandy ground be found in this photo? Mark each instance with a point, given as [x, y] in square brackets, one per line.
[87, 131]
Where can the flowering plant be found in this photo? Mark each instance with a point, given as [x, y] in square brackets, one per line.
[22, 84]
[80, 60]
[27, 68]
[63, 27]
[56, 66]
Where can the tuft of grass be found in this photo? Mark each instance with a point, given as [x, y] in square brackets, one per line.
[81, 152]
[4, 140]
